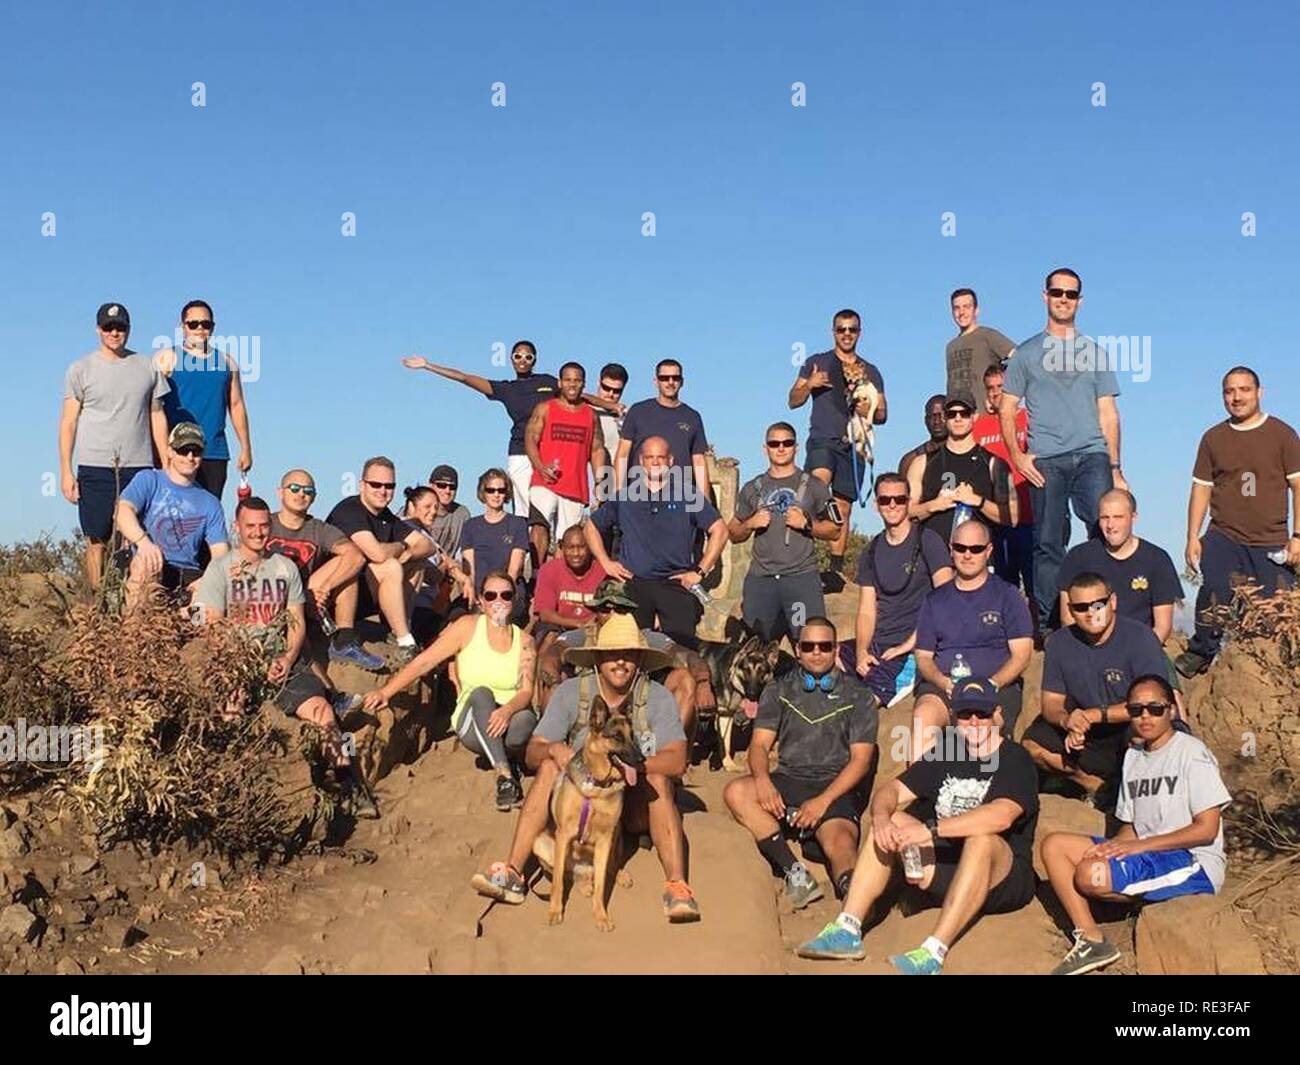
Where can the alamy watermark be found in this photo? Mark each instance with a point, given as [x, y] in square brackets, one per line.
[23, 742]
[1120, 354]
[244, 351]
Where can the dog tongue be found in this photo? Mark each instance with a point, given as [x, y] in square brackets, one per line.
[750, 707]
[629, 774]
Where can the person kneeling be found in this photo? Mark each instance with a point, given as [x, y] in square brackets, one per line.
[1171, 843]
[966, 840]
[825, 732]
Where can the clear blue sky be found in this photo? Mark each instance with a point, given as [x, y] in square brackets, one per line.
[478, 225]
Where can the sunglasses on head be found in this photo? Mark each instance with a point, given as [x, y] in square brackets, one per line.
[190, 451]
[1089, 607]
[981, 712]
[891, 501]
[200, 323]
[824, 646]
[505, 597]
[970, 549]
[389, 486]
[1154, 709]
[787, 442]
[305, 489]
[669, 376]
[1067, 293]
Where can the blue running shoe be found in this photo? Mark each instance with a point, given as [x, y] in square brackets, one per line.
[918, 962]
[356, 655]
[835, 943]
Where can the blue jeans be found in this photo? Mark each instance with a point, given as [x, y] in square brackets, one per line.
[1079, 478]
[1013, 556]
[1223, 563]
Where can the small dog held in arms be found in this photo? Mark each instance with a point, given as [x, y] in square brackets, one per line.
[860, 432]
[586, 811]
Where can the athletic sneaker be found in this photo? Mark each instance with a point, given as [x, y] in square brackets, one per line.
[918, 962]
[1085, 956]
[509, 794]
[344, 703]
[355, 654]
[1189, 663]
[833, 943]
[405, 654]
[362, 803]
[501, 883]
[679, 904]
[800, 887]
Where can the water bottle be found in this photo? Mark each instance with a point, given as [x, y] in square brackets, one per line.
[700, 594]
[245, 489]
[913, 870]
[1278, 556]
[327, 625]
[961, 513]
[960, 669]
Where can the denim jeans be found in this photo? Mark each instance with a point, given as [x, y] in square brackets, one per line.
[1079, 478]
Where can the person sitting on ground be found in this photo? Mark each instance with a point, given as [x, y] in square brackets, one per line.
[430, 603]
[564, 590]
[1083, 729]
[252, 587]
[1171, 799]
[448, 533]
[497, 539]
[972, 807]
[896, 570]
[615, 667]
[825, 732]
[393, 553]
[975, 625]
[328, 562]
[164, 516]
[494, 667]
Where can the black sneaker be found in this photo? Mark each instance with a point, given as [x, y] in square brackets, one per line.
[509, 794]
[1189, 664]
[361, 803]
[1085, 956]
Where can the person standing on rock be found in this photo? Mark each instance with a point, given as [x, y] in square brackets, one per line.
[961, 823]
[974, 350]
[1013, 544]
[665, 417]
[936, 425]
[1170, 843]
[1244, 468]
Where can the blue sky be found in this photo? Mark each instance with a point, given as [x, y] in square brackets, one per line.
[478, 225]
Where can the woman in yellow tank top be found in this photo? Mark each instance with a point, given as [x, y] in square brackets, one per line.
[494, 666]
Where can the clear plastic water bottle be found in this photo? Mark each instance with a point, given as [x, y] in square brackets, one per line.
[960, 669]
[962, 513]
[698, 591]
[913, 870]
[1278, 556]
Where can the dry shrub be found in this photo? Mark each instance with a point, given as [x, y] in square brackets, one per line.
[57, 558]
[1275, 620]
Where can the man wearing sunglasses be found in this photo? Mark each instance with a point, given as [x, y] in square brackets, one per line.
[977, 625]
[936, 425]
[1170, 843]
[975, 349]
[824, 730]
[828, 377]
[394, 554]
[206, 390]
[784, 510]
[970, 810]
[164, 517]
[610, 387]
[1069, 391]
[329, 565]
[1082, 730]
[667, 417]
[960, 472]
[113, 415]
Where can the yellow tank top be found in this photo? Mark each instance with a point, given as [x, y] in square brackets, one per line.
[480, 666]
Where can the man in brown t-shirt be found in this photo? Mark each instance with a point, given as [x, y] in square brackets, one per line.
[974, 349]
[1243, 469]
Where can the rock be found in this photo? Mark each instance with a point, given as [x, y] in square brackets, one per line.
[18, 922]
[13, 842]
[148, 914]
[82, 864]
[6, 817]
[20, 807]
[69, 967]
[74, 913]
[1195, 935]
[119, 932]
[92, 961]
[319, 868]
[285, 962]
[1059, 814]
[166, 878]
[107, 893]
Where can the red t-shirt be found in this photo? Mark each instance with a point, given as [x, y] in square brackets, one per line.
[566, 437]
[563, 591]
[988, 434]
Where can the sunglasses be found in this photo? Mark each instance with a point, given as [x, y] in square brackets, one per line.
[613, 390]
[891, 501]
[389, 486]
[1154, 709]
[200, 323]
[970, 549]
[190, 451]
[848, 329]
[1067, 293]
[1087, 608]
[446, 486]
[788, 442]
[524, 356]
[669, 376]
[113, 328]
[489, 597]
[956, 412]
[304, 489]
[495, 491]
[981, 712]
[824, 646]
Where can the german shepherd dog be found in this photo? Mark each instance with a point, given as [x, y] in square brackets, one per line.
[587, 808]
[739, 670]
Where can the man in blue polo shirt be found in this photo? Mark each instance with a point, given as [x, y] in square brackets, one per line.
[658, 516]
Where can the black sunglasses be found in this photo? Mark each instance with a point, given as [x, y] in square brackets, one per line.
[957, 412]
[505, 597]
[495, 491]
[1087, 608]
[445, 485]
[613, 390]
[1154, 709]
[825, 646]
[669, 376]
[200, 323]
[1068, 293]
[389, 485]
[981, 712]
[848, 329]
[891, 501]
[113, 327]
[970, 549]
[305, 489]
[788, 442]
[190, 451]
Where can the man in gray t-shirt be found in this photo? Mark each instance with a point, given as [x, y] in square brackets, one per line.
[973, 350]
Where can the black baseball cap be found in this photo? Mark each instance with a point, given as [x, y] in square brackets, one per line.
[974, 693]
[445, 473]
[112, 314]
[960, 398]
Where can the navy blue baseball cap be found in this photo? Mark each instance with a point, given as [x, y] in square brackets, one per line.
[974, 693]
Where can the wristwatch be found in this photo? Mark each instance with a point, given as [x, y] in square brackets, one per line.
[702, 572]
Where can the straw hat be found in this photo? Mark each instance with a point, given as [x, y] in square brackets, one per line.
[620, 633]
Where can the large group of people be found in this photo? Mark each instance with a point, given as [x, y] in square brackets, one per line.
[584, 578]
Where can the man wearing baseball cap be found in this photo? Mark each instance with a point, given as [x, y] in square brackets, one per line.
[164, 516]
[113, 416]
[451, 516]
[966, 839]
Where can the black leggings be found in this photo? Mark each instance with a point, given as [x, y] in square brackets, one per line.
[677, 609]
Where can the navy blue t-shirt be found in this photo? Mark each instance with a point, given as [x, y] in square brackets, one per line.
[658, 534]
[1099, 675]
[830, 406]
[519, 397]
[901, 576]
[976, 625]
[681, 426]
[492, 544]
[1144, 580]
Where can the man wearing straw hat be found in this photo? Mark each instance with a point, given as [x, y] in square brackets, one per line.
[615, 667]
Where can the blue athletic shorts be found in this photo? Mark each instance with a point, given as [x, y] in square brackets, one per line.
[1158, 875]
[821, 452]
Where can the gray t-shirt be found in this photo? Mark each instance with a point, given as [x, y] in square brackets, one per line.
[778, 550]
[255, 595]
[561, 715]
[1161, 791]
[968, 355]
[116, 395]
[446, 529]
[1060, 383]
[814, 730]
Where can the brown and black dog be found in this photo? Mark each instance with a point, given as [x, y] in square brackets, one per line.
[586, 810]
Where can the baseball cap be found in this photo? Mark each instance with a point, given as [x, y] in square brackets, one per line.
[113, 313]
[974, 693]
[962, 397]
[186, 434]
[445, 473]
[611, 596]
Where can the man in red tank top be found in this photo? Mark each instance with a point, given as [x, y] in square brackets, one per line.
[562, 439]
[1013, 545]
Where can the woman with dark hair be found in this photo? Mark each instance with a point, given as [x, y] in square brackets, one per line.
[435, 582]
[496, 539]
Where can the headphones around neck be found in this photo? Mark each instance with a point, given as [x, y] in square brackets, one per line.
[826, 682]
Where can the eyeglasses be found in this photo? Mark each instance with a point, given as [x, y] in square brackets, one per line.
[848, 329]
[824, 646]
[1089, 607]
[956, 412]
[970, 549]
[383, 486]
[200, 323]
[981, 712]
[446, 486]
[495, 491]
[669, 376]
[113, 327]
[1067, 293]
[1154, 709]
[613, 390]
[891, 501]
[190, 451]
[304, 489]
[789, 442]
[489, 597]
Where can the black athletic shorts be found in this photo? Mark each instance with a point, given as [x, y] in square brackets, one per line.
[1011, 893]
[1102, 754]
[97, 488]
[795, 791]
[301, 684]
[212, 475]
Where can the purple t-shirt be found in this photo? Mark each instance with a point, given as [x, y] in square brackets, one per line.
[976, 625]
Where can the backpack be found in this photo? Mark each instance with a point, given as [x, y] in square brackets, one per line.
[587, 692]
